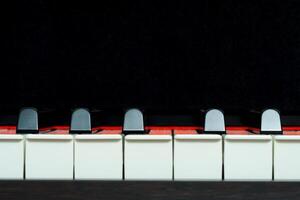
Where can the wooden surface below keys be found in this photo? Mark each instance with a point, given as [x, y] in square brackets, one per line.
[97, 190]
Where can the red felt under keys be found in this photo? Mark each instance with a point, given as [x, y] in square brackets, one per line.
[110, 132]
[8, 130]
[238, 132]
[185, 132]
[160, 132]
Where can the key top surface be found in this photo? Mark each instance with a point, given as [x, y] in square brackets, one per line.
[148, 157]
[197, 156]
[49, 157]
[99, 156]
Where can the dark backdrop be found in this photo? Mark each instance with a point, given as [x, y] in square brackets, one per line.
[231, 55]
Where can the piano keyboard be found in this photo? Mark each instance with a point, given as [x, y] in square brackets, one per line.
[137, 152]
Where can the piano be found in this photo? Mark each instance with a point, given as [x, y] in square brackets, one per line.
[150, 101]
[264, 147]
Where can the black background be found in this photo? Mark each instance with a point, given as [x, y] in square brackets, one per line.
[228, 54]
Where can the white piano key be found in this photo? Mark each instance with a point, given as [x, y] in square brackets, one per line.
[286, 158]
[248, 157]
[148, 157]
[198, 157]
[11, 156]
[99, 157]
[49, 157]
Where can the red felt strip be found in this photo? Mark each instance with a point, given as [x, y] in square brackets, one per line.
[291, 128]
[110, 132]
[178, 132]
[291, 132]
[238, 132]
[119, 128]
[160, 132]
[57, 132]
[173, 128]
[54, 128]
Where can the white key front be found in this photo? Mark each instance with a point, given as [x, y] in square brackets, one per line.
[148, 157]
[11, 156]
[248, 157]
[286, 158]
[99, 157]
[197, 157]
[49, 157]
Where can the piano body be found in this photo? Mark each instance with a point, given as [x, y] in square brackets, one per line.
[213, 151]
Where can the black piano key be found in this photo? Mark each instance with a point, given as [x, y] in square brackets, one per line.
[270, 122]
[81, 121]
[214, 122]
[133, 122]
[28, 121]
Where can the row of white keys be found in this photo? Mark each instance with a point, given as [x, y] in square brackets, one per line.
[246, 157]
[56, 156]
